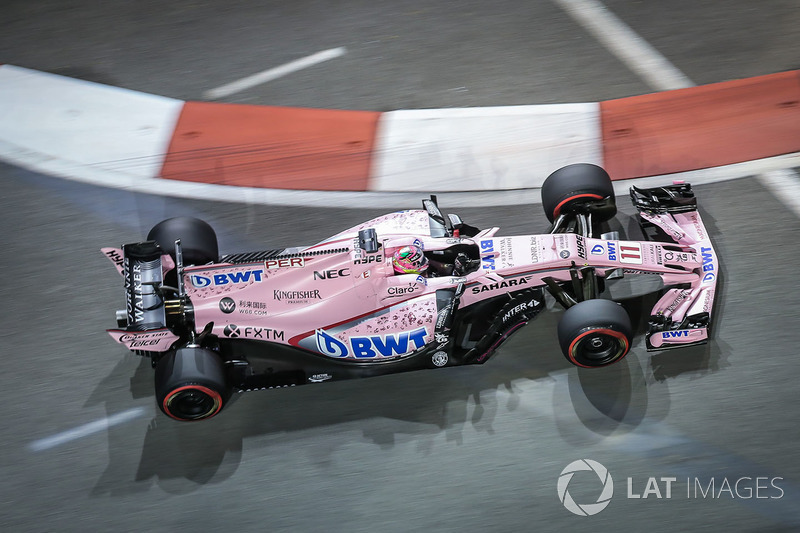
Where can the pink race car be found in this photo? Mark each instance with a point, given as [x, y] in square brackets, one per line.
[339, 309]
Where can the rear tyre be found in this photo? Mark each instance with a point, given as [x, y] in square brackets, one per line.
[595, 333]
[190, 384]
[578, 187]
[198, 239]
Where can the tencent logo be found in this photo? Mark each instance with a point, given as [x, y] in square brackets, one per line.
[605, 481]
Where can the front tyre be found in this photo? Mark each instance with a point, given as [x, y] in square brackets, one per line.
[581, 187]
[595, 333]
[190, 384]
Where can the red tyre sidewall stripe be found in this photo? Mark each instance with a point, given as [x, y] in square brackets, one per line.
[205, 390]
[610, 332]
[557, 210]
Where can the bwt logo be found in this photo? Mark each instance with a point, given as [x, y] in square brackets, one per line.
[372, 346]
[487, 247]
[598, 249]
[708, 265]
[586, 509]
[612, 251]
[227, 278]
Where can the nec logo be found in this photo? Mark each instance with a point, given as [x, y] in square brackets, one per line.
[372, 346]
[227, 278]
[332, 274]
[674, 334]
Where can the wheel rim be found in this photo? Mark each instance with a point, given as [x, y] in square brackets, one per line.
[192, 402]
[557, 210]
[598, 347]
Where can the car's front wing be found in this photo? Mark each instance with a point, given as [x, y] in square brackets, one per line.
[682, 316]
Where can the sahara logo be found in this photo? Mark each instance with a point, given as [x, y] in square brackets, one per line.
[372, 346]
[586, 509]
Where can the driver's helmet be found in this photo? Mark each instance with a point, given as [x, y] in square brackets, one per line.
[409, 260]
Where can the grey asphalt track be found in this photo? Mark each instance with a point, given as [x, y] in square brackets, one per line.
[464, 449]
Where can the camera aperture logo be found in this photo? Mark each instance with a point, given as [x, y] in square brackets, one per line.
[605, 481]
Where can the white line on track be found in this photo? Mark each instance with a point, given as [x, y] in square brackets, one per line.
[85, 430]
[623, 42]
[660, 74]
[784, 185]
[274, 73]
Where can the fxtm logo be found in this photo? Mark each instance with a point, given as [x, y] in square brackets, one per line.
[487, 247]
[372, 346]
[234, 332]
[227, 278]
[585, 509]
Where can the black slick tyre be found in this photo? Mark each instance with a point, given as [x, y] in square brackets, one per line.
[595, 333]
[190, 384]
[198, 239]
[575, 186]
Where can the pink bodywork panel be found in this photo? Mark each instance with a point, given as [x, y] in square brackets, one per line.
[115, 256]
[307, 299]
[334, 298]
[153, 340]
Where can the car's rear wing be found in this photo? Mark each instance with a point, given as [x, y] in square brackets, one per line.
[682, 316]
[141, 325]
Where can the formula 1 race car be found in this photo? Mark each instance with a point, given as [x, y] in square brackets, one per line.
[338, 309]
